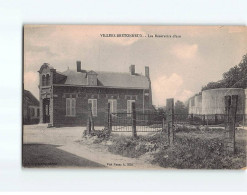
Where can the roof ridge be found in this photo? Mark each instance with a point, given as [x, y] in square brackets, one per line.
[103, 71]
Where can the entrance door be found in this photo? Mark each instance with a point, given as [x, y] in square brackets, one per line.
[46, 110]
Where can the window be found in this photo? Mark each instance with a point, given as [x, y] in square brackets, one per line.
[70, 106]
[93, 102]
[48, 79]
[129, 106]
[113, 105]
[43, 80]
[32, 112]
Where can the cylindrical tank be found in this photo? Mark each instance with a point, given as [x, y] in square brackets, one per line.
[195, 104]
[198, 104]
[213, 100]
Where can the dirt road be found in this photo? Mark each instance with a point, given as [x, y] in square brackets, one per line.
[62, 147]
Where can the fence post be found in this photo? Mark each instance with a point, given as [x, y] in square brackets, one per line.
[192, 119]
[109, 118]
[163, 124]
[230, 111]
[204, 120]
[215, 119]
[170, 120]
[134, 134]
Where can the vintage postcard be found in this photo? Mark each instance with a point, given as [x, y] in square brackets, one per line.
[134, 97]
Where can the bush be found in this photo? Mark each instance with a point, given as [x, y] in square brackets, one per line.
[100, 134]
[196, 153]
[124, 146]
[135, 147]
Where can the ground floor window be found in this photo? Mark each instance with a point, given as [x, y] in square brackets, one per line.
[70, 106]
[113, 105]
[32, 112]
[129, 106]
[93, 103]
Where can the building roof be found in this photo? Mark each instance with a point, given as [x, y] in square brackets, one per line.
[108, 79]
[29, 97]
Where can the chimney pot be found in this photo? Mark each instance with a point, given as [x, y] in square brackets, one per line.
[147, 71]
[78, 63]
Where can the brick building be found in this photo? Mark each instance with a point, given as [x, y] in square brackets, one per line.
[65, 96]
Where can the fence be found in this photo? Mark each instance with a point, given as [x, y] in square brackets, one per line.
[155, 122]
[211, 119]
[144, 122]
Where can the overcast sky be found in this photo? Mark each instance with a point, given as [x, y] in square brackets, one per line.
[179, 67]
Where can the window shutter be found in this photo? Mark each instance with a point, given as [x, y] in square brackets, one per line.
[94, 109]
[128, 106]
[73, 107]
[90, 102]
[114, 105]
[67, 106]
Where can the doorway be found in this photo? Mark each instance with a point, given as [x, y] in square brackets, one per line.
[46, 110]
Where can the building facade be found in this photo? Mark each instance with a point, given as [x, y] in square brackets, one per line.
[66, 97]
[30, 108]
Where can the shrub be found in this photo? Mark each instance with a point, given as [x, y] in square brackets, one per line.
[196, 153]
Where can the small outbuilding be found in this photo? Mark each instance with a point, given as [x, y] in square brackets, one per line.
[30, 108]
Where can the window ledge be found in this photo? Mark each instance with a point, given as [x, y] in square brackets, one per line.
[70, 115]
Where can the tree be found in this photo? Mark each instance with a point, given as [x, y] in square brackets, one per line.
[236, 77]
[180, 108]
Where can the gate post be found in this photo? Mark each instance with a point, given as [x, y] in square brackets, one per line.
[89, 120]
[170, 120]
[204, 120]
[230, 111]
[91, 116]
[109, 118]
[134, 134]
[88, 126]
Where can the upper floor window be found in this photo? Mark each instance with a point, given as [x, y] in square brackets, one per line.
[93, 103]
[70, 106]
[47, 79]
[43, 80]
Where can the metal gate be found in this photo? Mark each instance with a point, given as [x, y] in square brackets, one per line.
[123, 122]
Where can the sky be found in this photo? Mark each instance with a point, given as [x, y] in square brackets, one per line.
[180, 62]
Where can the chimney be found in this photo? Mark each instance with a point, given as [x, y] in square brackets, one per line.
[132, 69]
[147, 71]
[78, 63]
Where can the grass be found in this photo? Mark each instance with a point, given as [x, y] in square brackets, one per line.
[194, 148]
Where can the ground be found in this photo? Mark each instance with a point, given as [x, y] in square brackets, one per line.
[63, 147]
[194, 148]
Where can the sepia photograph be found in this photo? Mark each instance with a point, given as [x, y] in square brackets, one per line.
[134, 97]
